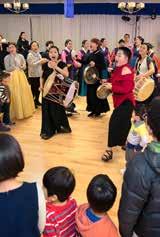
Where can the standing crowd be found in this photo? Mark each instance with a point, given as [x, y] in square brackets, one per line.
[25, 72]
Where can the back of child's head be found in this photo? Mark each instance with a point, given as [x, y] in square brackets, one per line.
[153, 117]
[101, 193]
[141, 111]
[11, 157]
[59, 181]
[4, 75]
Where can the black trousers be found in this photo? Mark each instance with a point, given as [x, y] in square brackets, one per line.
[94, 104]
[53, 117]
[5, 109]
[120, 124]
[35, 84]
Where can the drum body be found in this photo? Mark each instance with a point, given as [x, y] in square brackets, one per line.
[91, 75]
[62, 91]
[103, 92]
[143, 89]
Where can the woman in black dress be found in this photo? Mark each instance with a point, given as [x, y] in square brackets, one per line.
[54, 119]
[23, 44]
[96, 59]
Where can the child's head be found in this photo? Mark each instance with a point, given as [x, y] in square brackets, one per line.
[59, 182]
[153, 118]
[11, 157]
[101, 193]
[4, 78]
[139, 113]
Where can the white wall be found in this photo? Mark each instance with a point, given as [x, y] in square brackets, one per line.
[58, 28]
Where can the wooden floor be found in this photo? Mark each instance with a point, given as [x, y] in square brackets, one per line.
[80, 151]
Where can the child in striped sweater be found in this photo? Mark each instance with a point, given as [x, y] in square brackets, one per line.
[61, 208]
[5, 102]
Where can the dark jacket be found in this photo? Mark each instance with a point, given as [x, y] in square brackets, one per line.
[139, 210]
[23, 47]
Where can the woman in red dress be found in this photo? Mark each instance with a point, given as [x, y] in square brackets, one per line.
[122, 85]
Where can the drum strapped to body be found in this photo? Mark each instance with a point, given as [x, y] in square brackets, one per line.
[144, 88]
[61, 91]
[91, 75]
[103, 92]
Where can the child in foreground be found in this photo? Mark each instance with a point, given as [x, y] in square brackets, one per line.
[92, 219]
[22, 204]
[61, 208]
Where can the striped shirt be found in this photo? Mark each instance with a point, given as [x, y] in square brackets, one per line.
[60, 220]
[4, 94]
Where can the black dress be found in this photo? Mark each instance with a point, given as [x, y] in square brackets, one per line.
[94, 104]
[53, 114]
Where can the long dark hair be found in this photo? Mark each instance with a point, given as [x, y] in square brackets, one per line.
[11, 157]
[20, 36]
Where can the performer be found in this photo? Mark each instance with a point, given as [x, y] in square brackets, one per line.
[135, 51]
[96, 59]
[121, 43]
[145, 68]
[105, 51]
[69, 58]
[82, 58]
[35, 62]
[23, 44]
[54, 119]
[127, 41]
[122, 85]
[22, 104]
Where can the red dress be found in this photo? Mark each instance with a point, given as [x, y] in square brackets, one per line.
[122, 86]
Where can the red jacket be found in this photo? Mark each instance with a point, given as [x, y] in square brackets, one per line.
[122, 86]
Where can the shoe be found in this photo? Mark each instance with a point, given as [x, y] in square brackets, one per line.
[96, 115]
[4, 128]
[69, 114]
[64, 130]
[91, 114]
[38, 103]
[10, 124]
[45, 136]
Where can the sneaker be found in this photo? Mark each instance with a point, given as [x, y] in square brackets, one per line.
[4, 128]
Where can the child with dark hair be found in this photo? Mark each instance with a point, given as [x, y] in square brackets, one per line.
[139, 209]
[138, 136]
[22, 204]
[5, 102]
[92, 219]
[61, 208]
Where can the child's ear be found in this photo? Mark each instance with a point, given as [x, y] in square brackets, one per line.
[54, 198]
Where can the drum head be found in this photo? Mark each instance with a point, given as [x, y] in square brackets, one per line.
[48, 84]
[72, 92]
[91, 75]
[145, 91]
[103, 92]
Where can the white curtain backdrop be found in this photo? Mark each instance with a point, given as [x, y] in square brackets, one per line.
[58, 28]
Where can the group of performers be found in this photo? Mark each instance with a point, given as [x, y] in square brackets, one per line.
[56, 73]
